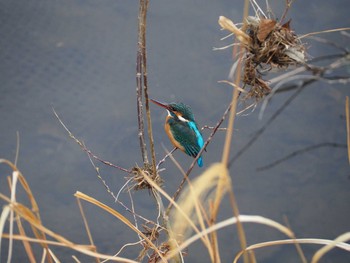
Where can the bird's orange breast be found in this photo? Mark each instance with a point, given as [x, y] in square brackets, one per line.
[171, 136]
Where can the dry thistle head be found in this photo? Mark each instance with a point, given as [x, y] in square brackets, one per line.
[267, 44]
[138, 176]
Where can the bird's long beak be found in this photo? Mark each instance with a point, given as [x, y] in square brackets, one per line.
[163, 105]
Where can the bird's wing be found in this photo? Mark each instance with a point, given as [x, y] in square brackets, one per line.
[188, 137]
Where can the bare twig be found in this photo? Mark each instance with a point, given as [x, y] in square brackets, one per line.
[165, 157]
[212, 128]
[113, 195]
[319, 74]
[301, 151]
[83, 147]
[297, 245]
[324, 31]
[270, 120]
[288, 5]
[329, 43]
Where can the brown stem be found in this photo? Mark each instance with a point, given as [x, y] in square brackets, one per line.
[142, 46]
[140, 78]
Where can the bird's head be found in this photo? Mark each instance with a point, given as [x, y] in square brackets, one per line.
[179, 110]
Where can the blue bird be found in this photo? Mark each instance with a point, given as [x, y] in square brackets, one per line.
[182, 130]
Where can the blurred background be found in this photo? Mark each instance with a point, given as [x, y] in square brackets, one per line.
[79, 57]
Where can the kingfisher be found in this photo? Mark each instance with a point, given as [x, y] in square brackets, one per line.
[182, 129]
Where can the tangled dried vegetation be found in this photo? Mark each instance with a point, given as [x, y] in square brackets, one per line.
[267, 44]
[138, 177]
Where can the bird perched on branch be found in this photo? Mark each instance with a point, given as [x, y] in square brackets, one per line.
[182, 130]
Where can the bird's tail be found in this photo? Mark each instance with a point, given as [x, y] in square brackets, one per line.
[200, 161]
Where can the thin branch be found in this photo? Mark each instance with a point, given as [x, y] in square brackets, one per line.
[324, 31]
[165, 157]
[288, 5]
[212, 128]
[270, 120]
[329, 43]
[97, 170]
[83, 147]
[341, 61]
[301, 151]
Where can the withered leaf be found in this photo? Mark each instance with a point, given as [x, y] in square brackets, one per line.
[286, 25]
[265, 28]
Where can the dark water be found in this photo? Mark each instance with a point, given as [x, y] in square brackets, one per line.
[79, 57]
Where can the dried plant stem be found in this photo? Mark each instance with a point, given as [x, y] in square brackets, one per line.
[87, 228]
[227, 146]
[142, 48]
[35, 215]
[297, 245]
[229, 132]
[140, 77]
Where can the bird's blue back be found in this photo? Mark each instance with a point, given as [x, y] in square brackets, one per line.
[188, 135]
[200, 140]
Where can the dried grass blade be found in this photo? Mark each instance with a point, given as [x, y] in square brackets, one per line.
[324, 31]
[87, 228]
[43, 256]
[53, 256]
[30, 195]
[297, 245]
[13, 200]
[4, 215]
[26, 243]
[179, 209]
[317, 241]
[120, 217]
[200, 210]
[335, 243]
[233, 85]
[34, 206]
[84, 249]
[38, 229]
[48, 242]
[232, 221]
[227, 24]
